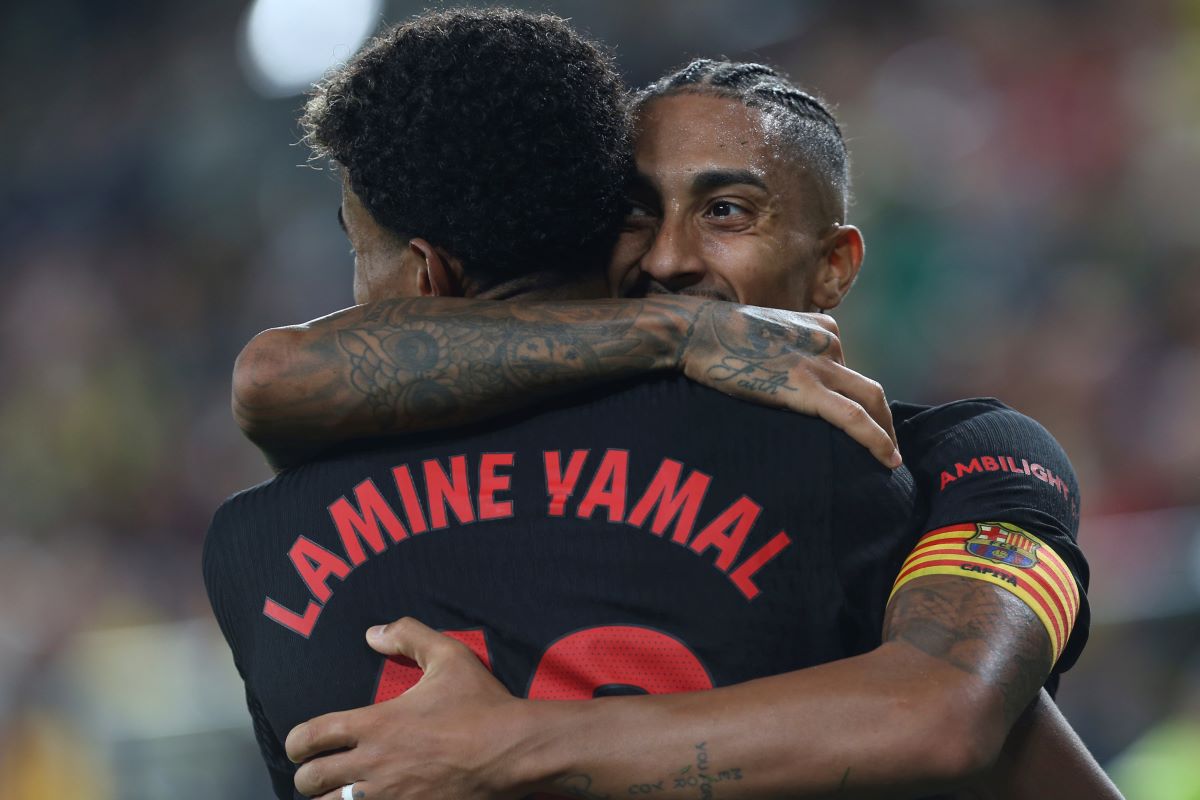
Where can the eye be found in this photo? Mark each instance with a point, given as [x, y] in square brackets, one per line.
[637, 214]
[724, 209]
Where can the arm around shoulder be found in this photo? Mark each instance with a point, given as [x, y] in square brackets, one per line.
[892, 723]
[265, 379]
[291, 395]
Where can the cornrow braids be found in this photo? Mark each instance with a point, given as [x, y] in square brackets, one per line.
[811, 127]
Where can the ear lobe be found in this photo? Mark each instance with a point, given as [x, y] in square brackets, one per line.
[436, 277]
[839, 268]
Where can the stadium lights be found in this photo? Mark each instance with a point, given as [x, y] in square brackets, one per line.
[287, 44]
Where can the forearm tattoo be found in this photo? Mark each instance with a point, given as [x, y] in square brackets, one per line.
[699, 778]
[979, 629]
[418, 367]
[428, 363]
[758, 347]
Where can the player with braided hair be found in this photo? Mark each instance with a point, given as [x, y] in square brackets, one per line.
[805, 172]
[807, 123]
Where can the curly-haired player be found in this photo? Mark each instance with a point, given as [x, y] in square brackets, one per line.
[498, 135]
[635, 577]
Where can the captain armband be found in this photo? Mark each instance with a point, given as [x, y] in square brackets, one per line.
[1009, 557]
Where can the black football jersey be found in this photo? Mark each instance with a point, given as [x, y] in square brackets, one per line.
[661, 537]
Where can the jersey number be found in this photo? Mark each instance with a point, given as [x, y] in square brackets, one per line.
[610, 659]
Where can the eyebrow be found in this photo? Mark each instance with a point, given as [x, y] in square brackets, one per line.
[342, 221]
[717, 178]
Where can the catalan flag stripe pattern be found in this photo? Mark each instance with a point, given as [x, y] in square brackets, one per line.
[1047, 587]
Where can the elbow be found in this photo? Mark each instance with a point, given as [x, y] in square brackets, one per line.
[970, 753]
[962, 741]
[262, 379]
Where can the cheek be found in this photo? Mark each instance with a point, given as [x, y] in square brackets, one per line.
[752, 270]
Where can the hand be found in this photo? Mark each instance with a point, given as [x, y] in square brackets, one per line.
[452, 735]
[790, 360]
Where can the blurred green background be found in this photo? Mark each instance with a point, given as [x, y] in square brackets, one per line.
[1026, 176]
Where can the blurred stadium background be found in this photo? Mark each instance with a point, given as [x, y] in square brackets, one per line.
[1026, 176]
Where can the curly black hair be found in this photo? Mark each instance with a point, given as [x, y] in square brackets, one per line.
[499, 135]
[812, 130]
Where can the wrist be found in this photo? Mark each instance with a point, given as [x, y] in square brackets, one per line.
[546, 732]
[677, 319]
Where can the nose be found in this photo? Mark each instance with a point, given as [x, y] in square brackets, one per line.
[674, 259]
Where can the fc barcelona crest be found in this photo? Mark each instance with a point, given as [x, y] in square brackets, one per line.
[1003, 544]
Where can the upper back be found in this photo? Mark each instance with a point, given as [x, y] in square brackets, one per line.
[661, 536]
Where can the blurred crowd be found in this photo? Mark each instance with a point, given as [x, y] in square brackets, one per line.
[1025, 175]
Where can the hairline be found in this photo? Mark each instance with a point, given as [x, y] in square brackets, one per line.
[833, 205]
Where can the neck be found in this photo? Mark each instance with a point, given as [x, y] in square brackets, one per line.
[548, 286]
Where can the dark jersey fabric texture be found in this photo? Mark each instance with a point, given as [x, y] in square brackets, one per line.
[657, 537]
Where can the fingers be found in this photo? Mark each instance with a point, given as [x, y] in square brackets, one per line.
[859, 424]
[413, 639]
[327, 775]
[321, 735]
[833, 350]
[849, 416]
[867, 393]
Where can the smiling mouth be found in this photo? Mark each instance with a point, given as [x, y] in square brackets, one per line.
[691, 291]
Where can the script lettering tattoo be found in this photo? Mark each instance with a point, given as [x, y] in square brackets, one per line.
[750, 375]
[980, 629]
[697, 779]
[756, 348]
[701, 777]
[647, 788]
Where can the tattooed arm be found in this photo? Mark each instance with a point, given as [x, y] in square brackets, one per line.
[944, 703]
[415, 364]
[927, 711]
[427, 363]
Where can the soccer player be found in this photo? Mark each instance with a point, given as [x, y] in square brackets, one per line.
[460, 530]
[374, 347]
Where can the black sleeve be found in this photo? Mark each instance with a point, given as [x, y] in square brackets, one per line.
[981, 461]
[871, 525]
[218, 582]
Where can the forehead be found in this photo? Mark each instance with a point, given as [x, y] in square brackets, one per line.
[688, 133]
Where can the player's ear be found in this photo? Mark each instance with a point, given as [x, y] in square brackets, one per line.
[438, 275]
[842, 251]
